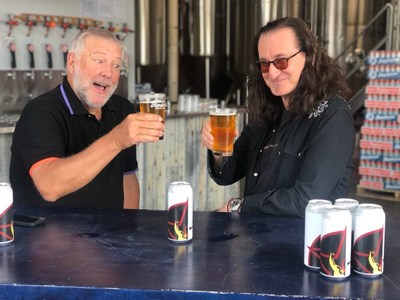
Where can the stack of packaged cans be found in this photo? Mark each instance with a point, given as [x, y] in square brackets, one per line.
[380, 133]
[344, 236]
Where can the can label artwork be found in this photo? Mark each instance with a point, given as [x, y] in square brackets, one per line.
[180, 212]
[369, 240]
[6, 214]
[335, 254]
[352, 205]
[312, 232]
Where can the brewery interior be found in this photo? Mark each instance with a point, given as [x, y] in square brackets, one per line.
[197, 52]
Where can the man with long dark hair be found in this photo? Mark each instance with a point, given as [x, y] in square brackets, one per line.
[299, 142]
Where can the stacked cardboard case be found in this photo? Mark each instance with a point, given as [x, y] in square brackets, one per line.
[380, 133]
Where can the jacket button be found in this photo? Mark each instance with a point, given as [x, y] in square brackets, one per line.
[255, 174]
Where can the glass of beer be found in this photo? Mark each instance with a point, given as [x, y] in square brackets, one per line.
[153, 103]
[223, 124]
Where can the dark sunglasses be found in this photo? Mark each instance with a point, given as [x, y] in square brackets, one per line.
[281, 63]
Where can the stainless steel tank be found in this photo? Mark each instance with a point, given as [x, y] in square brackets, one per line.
[338, 22]
[247, 17]
[229, 26]
[150, 32]
[225, 29]
[202, 27]
[205, 26]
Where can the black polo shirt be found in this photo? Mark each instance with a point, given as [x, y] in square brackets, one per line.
[56, 124]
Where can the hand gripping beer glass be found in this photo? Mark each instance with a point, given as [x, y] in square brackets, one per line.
[223, 125]
[153, 103]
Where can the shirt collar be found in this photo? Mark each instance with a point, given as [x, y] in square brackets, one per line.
[72, 102]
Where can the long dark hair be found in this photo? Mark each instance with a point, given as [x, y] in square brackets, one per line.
[321, 77]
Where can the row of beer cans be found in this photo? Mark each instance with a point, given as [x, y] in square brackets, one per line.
[383, 57]
[344, 236]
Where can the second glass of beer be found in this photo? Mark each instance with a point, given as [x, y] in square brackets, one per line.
[223, 125]
[153, 103]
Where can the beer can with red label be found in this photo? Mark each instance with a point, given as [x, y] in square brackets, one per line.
[180, 212]
[369, 240]
[312, 232]
[6, 214]
[335, 254]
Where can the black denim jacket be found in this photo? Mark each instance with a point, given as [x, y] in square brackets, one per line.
[287, 164]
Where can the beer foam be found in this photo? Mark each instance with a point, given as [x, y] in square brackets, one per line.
[223, 112]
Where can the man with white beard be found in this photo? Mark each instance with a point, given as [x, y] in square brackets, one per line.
[75, 146]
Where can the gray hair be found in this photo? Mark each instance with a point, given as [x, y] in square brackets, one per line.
[78, 43]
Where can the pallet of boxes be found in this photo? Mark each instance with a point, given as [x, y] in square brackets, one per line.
[379, 167]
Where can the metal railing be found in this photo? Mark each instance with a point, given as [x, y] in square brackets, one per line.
[359, 57]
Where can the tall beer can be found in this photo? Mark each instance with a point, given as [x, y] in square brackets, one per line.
[6, 214]
[312, 232]
[351, 204]
[335, 254]
[369, 240]
[180, 212]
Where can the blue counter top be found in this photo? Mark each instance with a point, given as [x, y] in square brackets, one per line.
[103, 254]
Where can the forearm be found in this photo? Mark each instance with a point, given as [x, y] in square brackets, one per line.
[215, 168]
[216, 162]
[226, 170]
[63, 176]
[131, 192]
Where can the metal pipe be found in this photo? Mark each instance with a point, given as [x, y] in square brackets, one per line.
[228, 34]
[130, 65]
[389, 27]
[397, 31]
[173, 50]
[144, 32]
[314, 16]
[207, 65]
